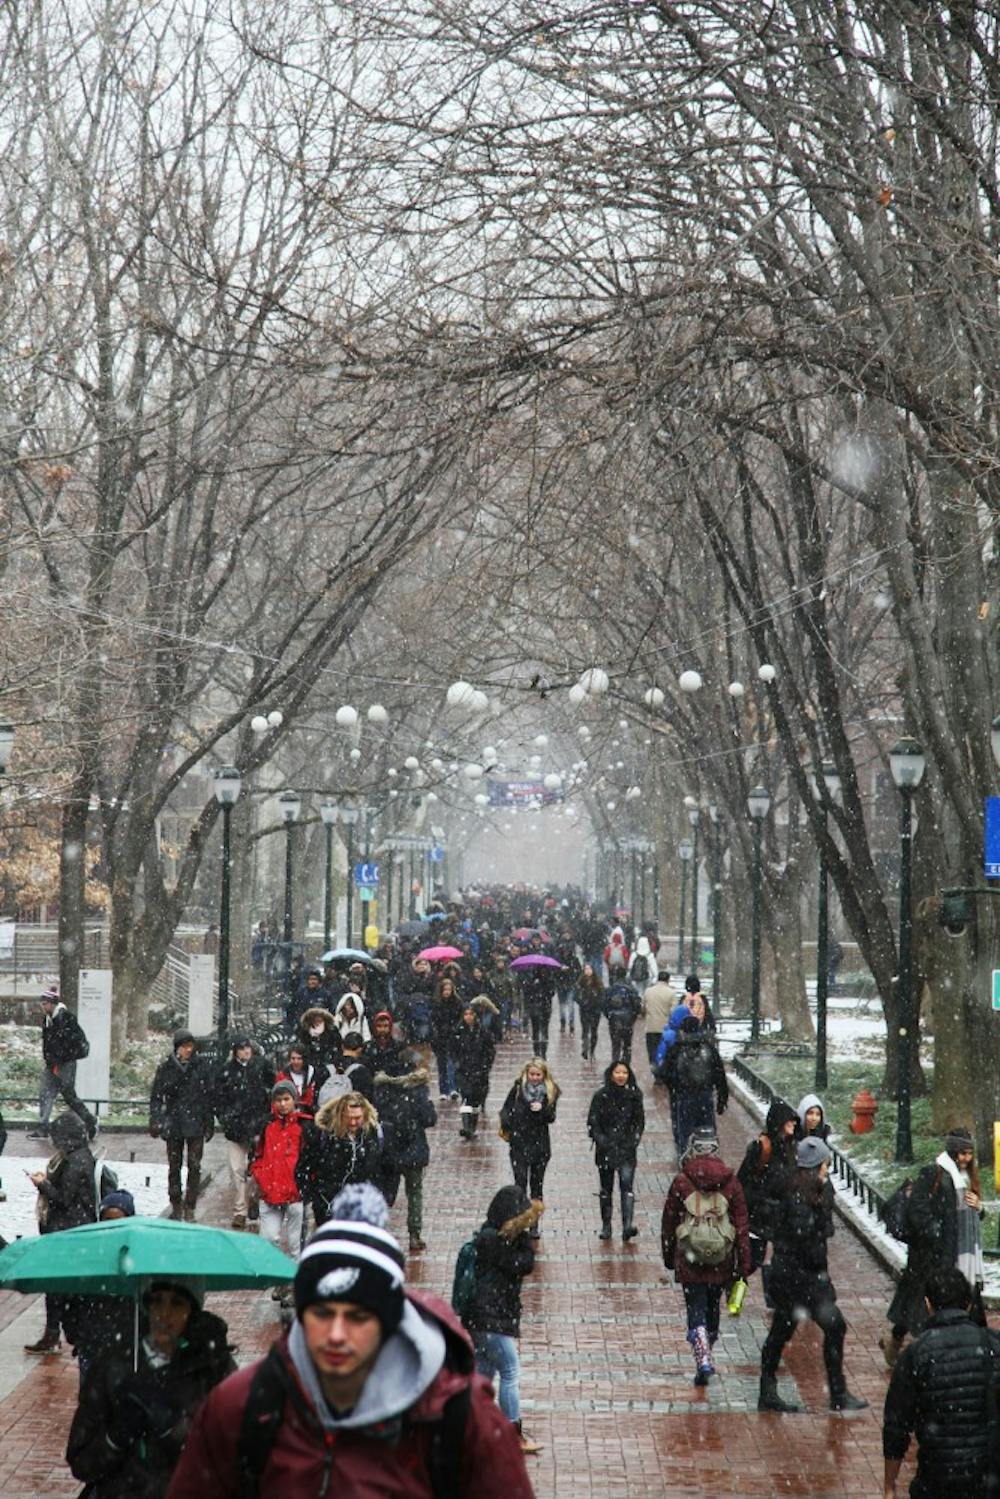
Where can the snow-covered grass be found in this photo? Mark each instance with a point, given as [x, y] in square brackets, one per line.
[147, 1183]
[21, 1062]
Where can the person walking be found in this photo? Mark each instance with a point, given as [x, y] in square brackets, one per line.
[697, 1080]
[622, 1006]
[944, 1390]
[306, 1078]
[705, 1241]
[766, 1174]
[406, 1112]
[446, 1011]
[319, 1036]
[642, 966]
[538, 987]
[504, 1256]
[565, 951]
[473, 1050]
[659, 1002]
[131, 1423]
[943, 1215]
[812, 1117]
[67, 1197]
[615, 1122]
[617, 955]
[241, 1099]
[590, 998]
[349, 1073]
[800, 1280]
[343, 1146]
[372, 1390]
[63, 1045]
[180, 1113]
[528, 1111]
[349, 1017]
[273, 1167]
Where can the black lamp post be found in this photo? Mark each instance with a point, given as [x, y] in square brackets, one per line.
[694, 818]
[228, 782]
[713, 813]
[349, 816]
[329, 812]
[831, 785]
[758, 805]
[685, 848]
[907, 763]
[289, 803]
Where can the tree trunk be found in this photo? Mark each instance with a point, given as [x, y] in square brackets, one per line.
[786, 945]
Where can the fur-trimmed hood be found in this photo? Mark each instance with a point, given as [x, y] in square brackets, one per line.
[523, 1221]
[332, 1116]
[415, 1079]
[483, 1002]
[313, 1016]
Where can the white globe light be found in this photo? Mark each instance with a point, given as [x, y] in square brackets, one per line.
[377, 714]
[346, 716]
[882, 601]
[552, 782]
[766, 673]
[583, 731]
[259, 723]
[481, 799]
[689, 681]
[632, 794]
[623, 723]
[595, 681]
[459, 695]
[437, 764]
[653, 697]
[354, 756]
[577, 694]
[411, 762]
[392, 772]
[736, 689]
[431, 796]
[535, 761]
[480, 702]
[473, 772]
[393, 795]
[611, 806]
[541, 740]
[490, 754]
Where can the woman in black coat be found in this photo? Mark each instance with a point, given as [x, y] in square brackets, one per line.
[472, 1049]
[130, 1425]
[446, 1011]
[67, 1197]
[615, 1123]
[766, 1174]
[590, 998]
[932, 1225]
[528, 1110]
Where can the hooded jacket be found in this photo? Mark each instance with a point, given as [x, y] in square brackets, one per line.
[768, 1169]
[69, 1191]
[693, 1066]
[382, 1446]
[617, 954]
[504, 1256]
[671, 1031]
[180, 1103]
[615, 1121]
[329, 1160]
[705, 1173]
[812, 1101]
[345, 1025]
[273, 1166]
[406, 1113]
[62, 1037]
[473, 1050]
[242, 1097]
[642, 980]
[319, 1050]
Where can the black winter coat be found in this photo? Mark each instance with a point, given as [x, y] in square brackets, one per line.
[328, 1162]
[802, 1229]
[615, 1122]
[180, 1104]
[143, 1469]
[61, 1037]
[70, 1193]
[528, 1129]
[932, 1221]
[943, 1387]
[622, 1005]
[445, 1016]
[693, 1065]
[242, 1098]
[472, 1049]
[502, 1262]
[406, 1113]
[767, 1171]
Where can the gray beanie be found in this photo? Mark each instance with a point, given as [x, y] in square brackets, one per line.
[811, 1152]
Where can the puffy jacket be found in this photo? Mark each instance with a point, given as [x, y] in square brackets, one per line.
[767, 1170]
[943, 1389]
[277, 1156]
[142, 1469]
[590, 996]
[528, 1129]
[242, 1098]
[670, 1032]
[406, 1113]
[311, 1082]
[504, 1256]
[693, 1066]
[180, 1104]
[705, 1174]
[305, 1464]
[319, 1050]
[802, 1230]
[615, 1121]
[61, 1037]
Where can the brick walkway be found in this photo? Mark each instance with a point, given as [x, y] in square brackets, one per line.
[607, 1376]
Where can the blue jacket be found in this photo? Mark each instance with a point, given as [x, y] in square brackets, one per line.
[669, 1034]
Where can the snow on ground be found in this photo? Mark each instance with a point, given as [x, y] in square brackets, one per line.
[146, 1182]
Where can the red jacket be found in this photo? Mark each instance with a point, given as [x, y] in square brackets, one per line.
[360, 1467]
[277, 1154]
[706, 1173]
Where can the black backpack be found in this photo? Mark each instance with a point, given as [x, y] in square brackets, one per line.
[695, 1068]
[640, 970]
[265, 1409]
[894, 1214]
[77, 1044]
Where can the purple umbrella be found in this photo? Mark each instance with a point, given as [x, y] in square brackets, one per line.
[535, 960]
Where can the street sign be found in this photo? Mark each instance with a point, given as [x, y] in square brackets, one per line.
[991, 839]
[996, 988]
[365, 874]
[437, 855]
[366, 892]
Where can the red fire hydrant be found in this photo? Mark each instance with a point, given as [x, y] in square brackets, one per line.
[865, 1107]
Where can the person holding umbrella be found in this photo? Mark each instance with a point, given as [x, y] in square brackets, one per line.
[537, 974]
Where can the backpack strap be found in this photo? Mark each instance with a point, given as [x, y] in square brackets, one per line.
[262, 1417]
[447, 1446]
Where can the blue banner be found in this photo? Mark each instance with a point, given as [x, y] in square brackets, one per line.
[991, 839]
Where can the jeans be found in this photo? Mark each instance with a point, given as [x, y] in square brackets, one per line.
[413, 1180]
[524, 1171]
[589, 1023]
[567, 1011]
[52, 1087]
[273, 1215]
[702, 1304]
[237, 1153]
[175, 1159]
[621, 1041]
[445, 1066]
[652, 1046]
[540, 1030]
[496, 1353]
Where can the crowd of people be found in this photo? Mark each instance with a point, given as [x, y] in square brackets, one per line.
[320, 1139]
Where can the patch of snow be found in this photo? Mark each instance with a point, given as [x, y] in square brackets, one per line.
[146, 1181]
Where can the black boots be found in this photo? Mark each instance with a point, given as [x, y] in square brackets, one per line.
[47, 1343]
[770, 1400]
[841, 1398]
[468, 1119]
[629, 1229]
[605, 1201]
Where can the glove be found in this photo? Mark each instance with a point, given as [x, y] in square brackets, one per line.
[154, 1130]
[157, 1414]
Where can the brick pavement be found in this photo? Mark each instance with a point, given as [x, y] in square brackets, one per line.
[606, 1373]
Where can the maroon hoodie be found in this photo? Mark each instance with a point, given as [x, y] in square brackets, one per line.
[705, 1173]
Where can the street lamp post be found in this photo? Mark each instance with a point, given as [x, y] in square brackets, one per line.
[713, 813]
[831, 784]
[685, 848]
[694, 818]
[6, 745]
[907, 763]
[227, 790]
[329, 813]
[758, 804]
[633, 852]
[289, 803]
[349, 816]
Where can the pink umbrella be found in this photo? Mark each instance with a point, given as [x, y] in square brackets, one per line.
[524, 932]
[440, 954]
[535, 960]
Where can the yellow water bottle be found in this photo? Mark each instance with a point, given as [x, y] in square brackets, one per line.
[737, 1294]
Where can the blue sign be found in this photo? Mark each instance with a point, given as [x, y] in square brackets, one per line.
[437, 855]
[365, 874]
[991, 839]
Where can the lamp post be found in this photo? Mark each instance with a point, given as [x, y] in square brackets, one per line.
[830, 784]
[694, 818]
[368, 814]
[289, 803]
[907, 763]
[758, 804]
[685, 848]
[6, 745]
[329, 812]
[713, 813]
[633, 851]
[228, 782]
[349, 816]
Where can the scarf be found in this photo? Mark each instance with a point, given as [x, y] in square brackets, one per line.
[969, 1258]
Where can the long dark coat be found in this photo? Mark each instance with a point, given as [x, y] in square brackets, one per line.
[932, 1217]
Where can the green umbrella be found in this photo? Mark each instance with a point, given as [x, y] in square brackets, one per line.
[121, 1257]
